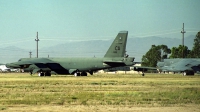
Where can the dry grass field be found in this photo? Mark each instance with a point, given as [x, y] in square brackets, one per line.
[100, 93]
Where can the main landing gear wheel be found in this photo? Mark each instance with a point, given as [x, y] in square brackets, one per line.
[47, 74]
[142, 74]
[76, 74]
[83, 74]
[41, 74]
[80, 74]
[185, 73]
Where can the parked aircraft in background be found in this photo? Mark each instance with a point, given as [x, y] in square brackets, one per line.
[187, 66]
[3, 68]
[114, 57]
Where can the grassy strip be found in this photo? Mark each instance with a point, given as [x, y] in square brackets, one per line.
[100, 89]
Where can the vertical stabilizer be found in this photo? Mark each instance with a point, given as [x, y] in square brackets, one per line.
[118, 47]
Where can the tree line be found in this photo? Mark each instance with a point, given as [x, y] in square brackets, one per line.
[160, 52]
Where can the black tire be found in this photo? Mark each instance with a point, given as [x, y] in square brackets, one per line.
[78, 74]
[187, 73]
[41, 74]
[47, 74]
[83, 74]
[190, 73]
[142, 74]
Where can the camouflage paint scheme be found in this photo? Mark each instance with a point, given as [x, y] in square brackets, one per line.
[114, 57]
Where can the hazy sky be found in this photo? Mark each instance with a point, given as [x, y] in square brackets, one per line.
[58, 21]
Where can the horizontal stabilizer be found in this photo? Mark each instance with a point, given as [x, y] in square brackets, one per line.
[113, 64]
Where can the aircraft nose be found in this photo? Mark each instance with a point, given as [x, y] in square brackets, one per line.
[10, 65]
[160, 64]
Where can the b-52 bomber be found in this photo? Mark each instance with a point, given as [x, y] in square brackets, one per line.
[114, 57]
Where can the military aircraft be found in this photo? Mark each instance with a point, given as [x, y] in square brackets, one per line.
[187, 66]
[3, 68]
[114, 57]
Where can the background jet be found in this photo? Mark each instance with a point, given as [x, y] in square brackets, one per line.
[188, 66]
[114, 57]
[3, 68]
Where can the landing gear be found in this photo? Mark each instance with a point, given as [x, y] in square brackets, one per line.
[83, 74]
[77, 74]
[91, 72]
[47, 74]
[142, 74]
[185, 73]
[80, 74]
[41, 74]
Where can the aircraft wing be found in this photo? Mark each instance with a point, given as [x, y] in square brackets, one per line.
[27, 63]
[116, 62]
[143, 68]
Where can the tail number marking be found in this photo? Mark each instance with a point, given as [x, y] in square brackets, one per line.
[116, 49]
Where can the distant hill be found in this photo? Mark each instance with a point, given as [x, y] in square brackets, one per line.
[136, 47]
[11, 54]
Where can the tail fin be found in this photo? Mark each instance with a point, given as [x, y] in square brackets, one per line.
[118, 47]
